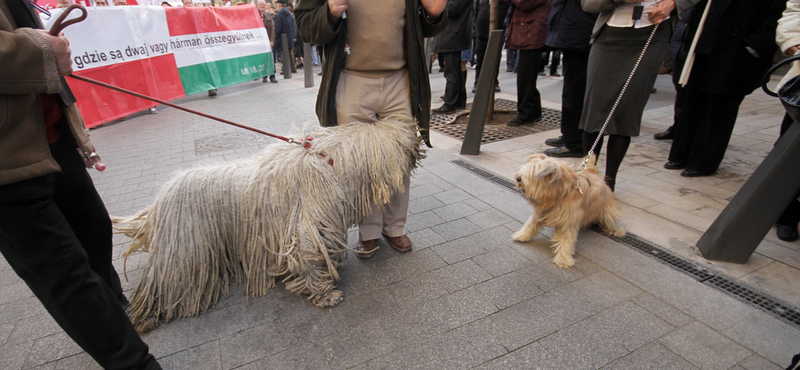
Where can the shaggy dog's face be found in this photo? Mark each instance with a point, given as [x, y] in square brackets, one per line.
[540, 172]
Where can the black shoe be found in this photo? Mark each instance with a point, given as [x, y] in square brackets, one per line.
[555, 142]
[692, 173]
[666, 135]
[212, 92]
[787, 233]
[510, 69]
[518, 121]
[444, 109]
[674, 165]
[496, 88]
[555, 74]
[542, 73]
[264, 79]
[563, 152]
[272, 79]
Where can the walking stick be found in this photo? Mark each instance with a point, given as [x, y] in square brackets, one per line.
[687, 66]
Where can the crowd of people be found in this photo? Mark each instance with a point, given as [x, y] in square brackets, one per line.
[56, 233]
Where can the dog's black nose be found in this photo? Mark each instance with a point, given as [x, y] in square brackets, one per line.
[519, 179]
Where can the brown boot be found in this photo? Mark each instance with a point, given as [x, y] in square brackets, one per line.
[401, 243]
[366, 248]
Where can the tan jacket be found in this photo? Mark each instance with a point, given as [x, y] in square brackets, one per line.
[28, 69]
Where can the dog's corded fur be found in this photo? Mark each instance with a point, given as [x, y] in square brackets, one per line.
[567, 200]
[283, 213]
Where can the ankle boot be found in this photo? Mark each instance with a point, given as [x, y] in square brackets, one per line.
[610, 182]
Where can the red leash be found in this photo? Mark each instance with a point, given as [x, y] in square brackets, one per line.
[59, 25]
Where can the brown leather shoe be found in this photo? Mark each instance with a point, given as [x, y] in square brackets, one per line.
[401, 243]
[366, 248]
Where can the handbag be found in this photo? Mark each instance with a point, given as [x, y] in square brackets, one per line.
[789, 93]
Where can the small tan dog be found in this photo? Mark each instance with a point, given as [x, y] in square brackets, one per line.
[567, 200]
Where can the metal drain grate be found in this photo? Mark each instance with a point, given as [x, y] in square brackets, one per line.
[493, 132]
[742, 292]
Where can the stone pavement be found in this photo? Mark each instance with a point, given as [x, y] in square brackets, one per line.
[467, 296]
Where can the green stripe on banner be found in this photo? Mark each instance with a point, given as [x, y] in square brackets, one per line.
[206, 76]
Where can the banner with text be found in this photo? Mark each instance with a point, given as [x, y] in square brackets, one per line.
[166, 53]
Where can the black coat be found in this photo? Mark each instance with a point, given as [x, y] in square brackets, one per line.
[731, 27]
[574, 27]
[284, 24]
[457, 35]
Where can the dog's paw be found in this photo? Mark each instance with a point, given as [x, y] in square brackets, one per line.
[564, 262]
[617, 233]
[329, 300]
[521, 236]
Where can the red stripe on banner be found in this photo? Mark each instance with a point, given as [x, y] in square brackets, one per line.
[157, 77]
[194, 20]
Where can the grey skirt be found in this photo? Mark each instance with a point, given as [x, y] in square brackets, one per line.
[611, 59]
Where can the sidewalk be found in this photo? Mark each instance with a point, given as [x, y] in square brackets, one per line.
[467, 296]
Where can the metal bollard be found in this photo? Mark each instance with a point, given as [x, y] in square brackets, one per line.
[286, 58]
[483, 95]
[308, 68]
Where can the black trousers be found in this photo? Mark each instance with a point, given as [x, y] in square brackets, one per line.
[704, 129]
[455, 92]
[55, 233]
[529, 100]
[575, 64]
[791, 215]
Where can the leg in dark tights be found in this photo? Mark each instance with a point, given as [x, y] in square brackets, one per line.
[617, 147]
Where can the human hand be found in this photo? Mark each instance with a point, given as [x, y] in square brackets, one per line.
[337, 7]
[659, 12]
[434, 7]
[63, 54]
[792, 50]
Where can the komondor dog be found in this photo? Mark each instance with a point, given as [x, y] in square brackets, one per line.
[567, 200]
[280, 214]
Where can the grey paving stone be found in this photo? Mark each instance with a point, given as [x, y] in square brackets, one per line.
[518, 326]
[461, 275]
[423, 220]
[501, 261]
[51, 348]
[367, 306]
[767, 336]
[355, 345]
[454, 211]
[203, 357]
[537, 250]
[532, 356]
[580, 347]
[456, 229]
[458, 250]
[478, 204]
[424, 238]
[463, 179]
[252, 344]
[510, 202]
[462, 307]
[649, 357]
[80, 361]
[423, 191]
[14, 292]
[5, 331]
[756, 362]
[9, 277]
[547, 276]
[168, 338]
[210, 326]
[493, 238]
[32, 328]
[13, 356]
[423, 204]
[413, 325]
[415, 291]
[704, 347]
[661, 309]
[489, 219]
[606, 288]
[416, 356]
[453, 196]
[465, 347]
[308, 356]
[418, 261]
[565, 306]
[510, 289]
[629, 325]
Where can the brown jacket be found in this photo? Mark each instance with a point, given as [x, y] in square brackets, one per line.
[527, 29]
[318, 27]
[28, 69]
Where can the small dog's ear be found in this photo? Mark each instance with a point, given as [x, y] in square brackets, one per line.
[546, 169]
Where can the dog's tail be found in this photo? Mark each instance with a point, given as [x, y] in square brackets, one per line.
[591, 164]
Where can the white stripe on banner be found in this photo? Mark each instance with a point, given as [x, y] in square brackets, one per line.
[215, 46]
[112, 35]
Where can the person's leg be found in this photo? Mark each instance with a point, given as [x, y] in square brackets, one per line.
[452, 73]
[37, 241]
[685, 127]
[589, 139]
[574, 70]
[713, 133]
[617, 147]
[529, 101]
[554, 61]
